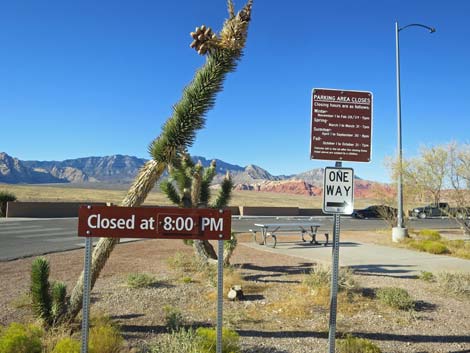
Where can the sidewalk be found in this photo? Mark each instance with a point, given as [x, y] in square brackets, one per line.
[370, 258]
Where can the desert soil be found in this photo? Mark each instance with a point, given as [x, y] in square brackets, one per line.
[278, 315]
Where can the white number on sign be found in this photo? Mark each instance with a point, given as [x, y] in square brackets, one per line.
[179, 224]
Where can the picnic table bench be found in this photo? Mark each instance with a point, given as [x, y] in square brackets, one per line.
[269, 232]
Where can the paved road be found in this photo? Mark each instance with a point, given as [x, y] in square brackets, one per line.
[29, 237]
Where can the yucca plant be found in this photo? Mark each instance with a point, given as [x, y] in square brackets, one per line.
[48, 301]
[189, 186]
[222, 52]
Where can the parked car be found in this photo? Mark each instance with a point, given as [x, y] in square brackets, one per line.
[375, 211]
[442, 209]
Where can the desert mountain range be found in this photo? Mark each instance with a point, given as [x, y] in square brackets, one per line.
[120, 169]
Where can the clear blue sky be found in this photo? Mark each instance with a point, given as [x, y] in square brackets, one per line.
[82, 78]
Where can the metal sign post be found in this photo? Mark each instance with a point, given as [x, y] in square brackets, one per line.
[86, 294]
[334, 284]
[220, 294]
[338, 198]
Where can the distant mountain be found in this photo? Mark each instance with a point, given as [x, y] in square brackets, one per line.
[13, 171]
[121, 170]
[314, 176]
[114, 169]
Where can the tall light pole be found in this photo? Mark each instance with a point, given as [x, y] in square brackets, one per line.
[400, 232]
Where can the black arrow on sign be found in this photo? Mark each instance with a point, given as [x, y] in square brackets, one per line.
[337, 204]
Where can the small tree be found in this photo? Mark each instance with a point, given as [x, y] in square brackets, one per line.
[5, 197]
[428, 172]
[387, 195]
[189, 186]
[459, 178]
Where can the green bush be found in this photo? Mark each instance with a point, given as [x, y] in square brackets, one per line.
[5, 197]
[173, 318]
[206, 340]
[429, 234]
[140, 280]
[105, 339]
[18, 338]
[67, 345]
[396, 298]
[352, 344]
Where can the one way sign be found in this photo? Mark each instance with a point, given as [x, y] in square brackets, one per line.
[338, 190]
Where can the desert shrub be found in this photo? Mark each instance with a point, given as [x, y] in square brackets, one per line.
[320, 277]
[182, 341]
[140, 280]
[105, 339]
[184, 263]
[173, 318]
[456, 283]
[5, 197]
[352, 344]
[435, 247]
[426, 276]
[18, 338]
[429, 234]
[67, 345]
[459, 248]
[206, 340]
[396, 298]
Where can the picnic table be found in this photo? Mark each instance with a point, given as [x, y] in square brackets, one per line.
[269, 232]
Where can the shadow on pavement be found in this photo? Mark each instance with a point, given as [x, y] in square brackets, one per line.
[384, 270]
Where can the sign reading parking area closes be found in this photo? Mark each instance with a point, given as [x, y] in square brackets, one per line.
[338, 190]
[341, 125]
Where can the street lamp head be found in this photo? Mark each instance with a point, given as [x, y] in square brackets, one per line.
[430, 29]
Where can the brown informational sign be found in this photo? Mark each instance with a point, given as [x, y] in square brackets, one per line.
[341, 125]
[154, 222]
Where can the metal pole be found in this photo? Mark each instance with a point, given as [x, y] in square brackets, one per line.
[86, 294]
[220, 295]
[334, 280]
[400, 164]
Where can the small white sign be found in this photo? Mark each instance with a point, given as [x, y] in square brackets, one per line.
[338, 190]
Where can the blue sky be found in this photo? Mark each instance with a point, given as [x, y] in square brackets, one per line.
[83, 78]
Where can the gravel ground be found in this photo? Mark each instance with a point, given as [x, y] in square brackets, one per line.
[277, 316]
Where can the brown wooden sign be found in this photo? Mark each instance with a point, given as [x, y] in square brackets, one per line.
[154, 222]
[341, 125]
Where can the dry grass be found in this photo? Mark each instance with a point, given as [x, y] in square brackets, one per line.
[82, 193]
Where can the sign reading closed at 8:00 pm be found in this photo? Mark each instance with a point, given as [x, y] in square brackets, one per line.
[338, 190]
[341, 125]
[154, 222]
